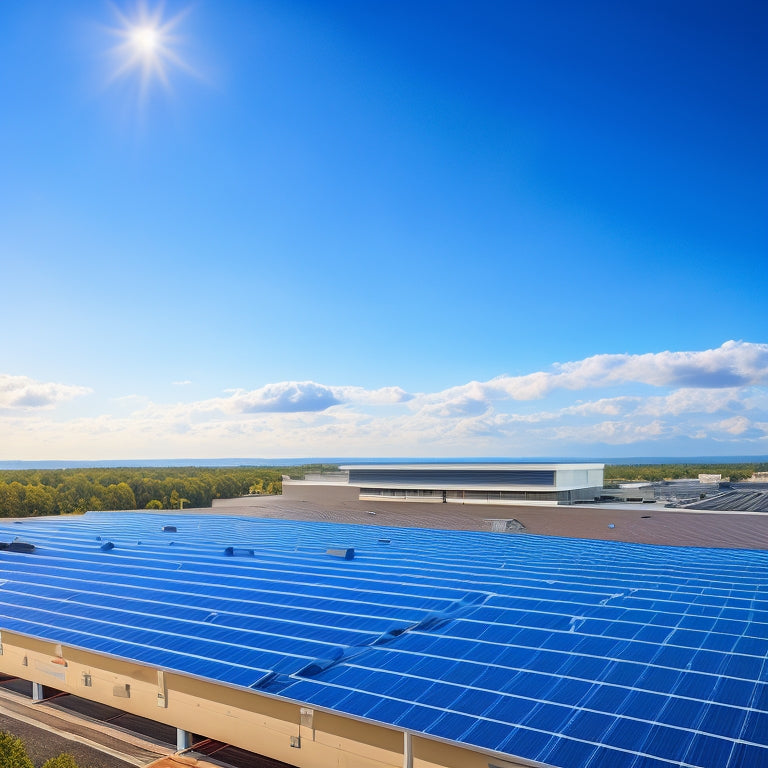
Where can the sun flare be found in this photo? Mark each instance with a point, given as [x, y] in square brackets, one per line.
[145, 39]
[148, 46]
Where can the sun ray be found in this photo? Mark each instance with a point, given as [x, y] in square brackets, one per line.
[146, 47]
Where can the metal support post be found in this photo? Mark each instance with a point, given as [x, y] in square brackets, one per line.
[183, 740]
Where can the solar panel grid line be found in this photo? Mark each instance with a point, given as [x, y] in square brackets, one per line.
[602, 658]
[602, 746]
[65, 637]
[210, 643]
[221, 613]
[524, 567]
[566, 707]
[598, 618]
[731, 590]
[318, 610]
[128, 556]
[350, 600]
[409, 532]
[520, 584]
[253, 576]
[125, 613]
[345, 604]
[645, 569]
[164, 590]
[206, 611]
[746, 608]
[590, 634]
[561, 676]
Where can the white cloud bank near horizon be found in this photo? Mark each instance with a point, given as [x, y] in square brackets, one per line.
[709, 401]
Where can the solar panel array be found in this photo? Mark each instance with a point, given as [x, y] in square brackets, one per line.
[741, 500]
[563, 651]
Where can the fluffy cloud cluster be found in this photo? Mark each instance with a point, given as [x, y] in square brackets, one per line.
[21, 392]
[734, 364]
[308, 396]
[714, 399]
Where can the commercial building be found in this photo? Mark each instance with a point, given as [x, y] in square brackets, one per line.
[365, 646]
[486, 483]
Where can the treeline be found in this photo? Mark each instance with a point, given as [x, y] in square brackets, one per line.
[25, 493]
[615, 473]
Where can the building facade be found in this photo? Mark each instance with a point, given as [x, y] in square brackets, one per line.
[486, 483]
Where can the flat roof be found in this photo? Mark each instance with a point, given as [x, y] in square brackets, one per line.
[557, 650]
[474, 467]
[614, 521]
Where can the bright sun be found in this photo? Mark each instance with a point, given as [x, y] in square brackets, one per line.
[147, 46]
[145, 40]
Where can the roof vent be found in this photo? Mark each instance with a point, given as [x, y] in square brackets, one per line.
[384, 541]
[238, 552]
[106, 546]
[347, 554]
[169, 528]
[20, 546]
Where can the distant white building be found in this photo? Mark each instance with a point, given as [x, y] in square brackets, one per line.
[545, 484]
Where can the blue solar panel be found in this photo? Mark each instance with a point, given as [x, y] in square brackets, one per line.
[560, 651]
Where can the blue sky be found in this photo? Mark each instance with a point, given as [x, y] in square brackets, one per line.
[383, 229]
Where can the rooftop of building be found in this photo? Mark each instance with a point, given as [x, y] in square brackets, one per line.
[631, 522]
[475, 467]
[561, 651]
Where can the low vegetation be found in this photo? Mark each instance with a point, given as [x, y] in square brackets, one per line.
[25, 493]
[629, 473]
[13, 754]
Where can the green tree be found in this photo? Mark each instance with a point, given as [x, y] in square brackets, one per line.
[39, 500]
[64, 760]
[12, 752]
[12, 499]
[257, 487]
[68, 491]
[119, 496]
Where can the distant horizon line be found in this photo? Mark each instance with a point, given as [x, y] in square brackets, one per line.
[299, 461]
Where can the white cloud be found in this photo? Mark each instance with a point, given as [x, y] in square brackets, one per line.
[624, 432]
[295, 397]
[362, 396]
[23, 393]
[689, 400]
[578, 408]
[734, 364]
[736, 425]
[283, 397]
